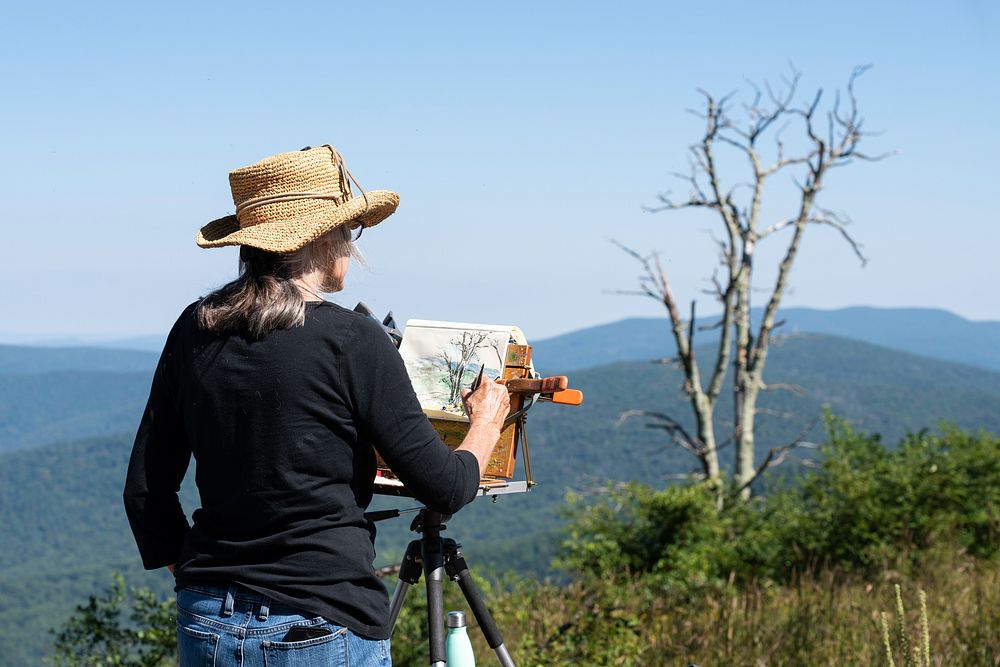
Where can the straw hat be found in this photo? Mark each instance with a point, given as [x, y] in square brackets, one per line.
[287, 200]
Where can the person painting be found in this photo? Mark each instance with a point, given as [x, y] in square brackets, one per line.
[283, 399]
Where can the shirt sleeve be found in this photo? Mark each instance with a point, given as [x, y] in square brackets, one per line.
[390, 415]
[159, 460]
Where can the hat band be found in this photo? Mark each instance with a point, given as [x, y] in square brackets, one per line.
[256, 202]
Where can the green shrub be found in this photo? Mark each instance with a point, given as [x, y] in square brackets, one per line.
[862, 507]
[866, 504]
[675, 536]
[121, 628]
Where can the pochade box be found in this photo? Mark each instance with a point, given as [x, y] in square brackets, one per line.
[442, 358]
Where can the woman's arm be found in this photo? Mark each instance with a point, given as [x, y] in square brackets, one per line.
[160, 457]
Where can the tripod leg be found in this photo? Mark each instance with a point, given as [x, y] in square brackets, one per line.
[434, 579]
[409, 574]
[459, 571]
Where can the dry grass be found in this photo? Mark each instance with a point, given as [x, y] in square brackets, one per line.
[824, 619]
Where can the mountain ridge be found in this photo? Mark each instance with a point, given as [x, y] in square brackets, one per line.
[36, 410]
[923, 331]
[31, 359]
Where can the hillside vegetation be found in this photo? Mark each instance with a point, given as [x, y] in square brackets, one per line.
[65, 530]
[794, 578]
[803, 576]
[53, 406]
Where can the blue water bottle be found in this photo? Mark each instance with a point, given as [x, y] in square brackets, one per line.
[457, 647]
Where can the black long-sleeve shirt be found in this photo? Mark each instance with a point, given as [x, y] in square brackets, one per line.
[283, 431]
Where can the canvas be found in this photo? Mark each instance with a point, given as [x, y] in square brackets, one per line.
[442, 358]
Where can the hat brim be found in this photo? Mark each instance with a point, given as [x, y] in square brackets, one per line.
[291, 235]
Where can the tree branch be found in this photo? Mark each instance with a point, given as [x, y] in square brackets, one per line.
[792, 388]
[839, 222]
[677, 432]
[776, 455]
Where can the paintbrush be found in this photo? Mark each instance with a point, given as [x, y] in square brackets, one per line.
[479, 378]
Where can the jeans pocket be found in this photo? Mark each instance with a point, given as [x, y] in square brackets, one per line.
[328, 651]
[196, 648]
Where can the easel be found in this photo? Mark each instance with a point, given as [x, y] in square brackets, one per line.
[435, 556]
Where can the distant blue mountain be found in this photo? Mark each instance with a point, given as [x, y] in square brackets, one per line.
[24, 360]
[151, 343]
[924, 331]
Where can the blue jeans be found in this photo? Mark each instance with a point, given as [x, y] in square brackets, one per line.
[238, 627]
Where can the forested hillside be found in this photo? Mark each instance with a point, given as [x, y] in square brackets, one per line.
[60, 505]
[52, 406]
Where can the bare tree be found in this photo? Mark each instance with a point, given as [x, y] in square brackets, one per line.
[829, 138]
[458, 364]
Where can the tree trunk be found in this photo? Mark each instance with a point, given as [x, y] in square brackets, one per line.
[704, 413]
[744, 393]
[743, 468]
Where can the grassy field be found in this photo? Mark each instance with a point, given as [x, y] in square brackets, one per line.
[818, 620]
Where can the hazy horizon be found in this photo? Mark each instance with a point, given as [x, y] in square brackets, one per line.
[105, 340]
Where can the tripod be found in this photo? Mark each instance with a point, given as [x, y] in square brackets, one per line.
[437, 556]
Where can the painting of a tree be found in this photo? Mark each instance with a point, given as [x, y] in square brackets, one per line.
[457, 361]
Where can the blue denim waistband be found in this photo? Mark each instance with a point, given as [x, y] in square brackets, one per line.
[233, 594]
[241, 593]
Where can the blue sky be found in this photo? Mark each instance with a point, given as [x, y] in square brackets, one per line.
[520, 136]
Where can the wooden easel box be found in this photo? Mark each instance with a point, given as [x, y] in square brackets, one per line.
[452, 433]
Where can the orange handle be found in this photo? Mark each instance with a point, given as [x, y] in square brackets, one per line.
[565, 397]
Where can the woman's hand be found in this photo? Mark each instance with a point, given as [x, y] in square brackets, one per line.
[488, 405]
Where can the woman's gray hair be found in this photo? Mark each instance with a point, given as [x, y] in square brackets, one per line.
[265, 297]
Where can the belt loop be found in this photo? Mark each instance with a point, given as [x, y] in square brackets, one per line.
[227, 610]
[265, 609]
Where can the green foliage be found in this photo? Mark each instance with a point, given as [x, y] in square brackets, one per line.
[118, 629]
[865, 501]
[676, 535]
[863, 506]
